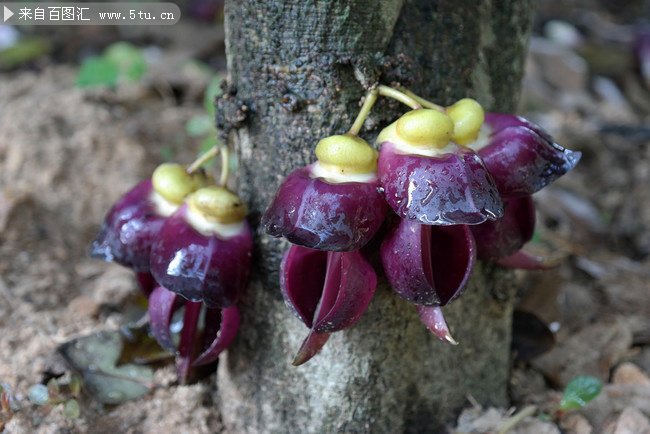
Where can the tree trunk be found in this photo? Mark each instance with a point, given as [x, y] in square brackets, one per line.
[296, 72]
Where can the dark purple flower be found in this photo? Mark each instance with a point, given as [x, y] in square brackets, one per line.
[432, 317]
[505, 236]
[202, 261]
[328, 291]
[501, 240]
[521, 157]
[196, 347]
[448, 189]
[428, 265]
[642, 50]
[312, 212]
[129, 229]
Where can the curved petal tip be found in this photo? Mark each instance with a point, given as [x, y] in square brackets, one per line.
[310, 347]
[432, 317]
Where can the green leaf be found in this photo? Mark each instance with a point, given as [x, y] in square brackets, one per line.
[71, 409]
[24, 51]
[96, 71]
[579, 392]
[95, 357]
[199, 125]
[128, 59]
[213, 91]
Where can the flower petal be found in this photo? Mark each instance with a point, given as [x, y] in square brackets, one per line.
[328, 291]
[428, 265]
[350, 283]
[201, 267]
[302, 277]
[525, 261]
[310, 347]
[220, 329]
[521, 157]
[310, 212]
[432, 317]
[161, 308]
[129, 229]
[500, 238]
[452, 188]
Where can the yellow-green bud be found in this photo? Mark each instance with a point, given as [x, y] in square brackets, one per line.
[172, 182]
[347, 155]
[425, 128]
[218, 204]
[468, 117]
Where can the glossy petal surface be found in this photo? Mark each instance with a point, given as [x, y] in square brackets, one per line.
[453, 188]
[501, 238]
[313, 213]
[129, 229]
[328, 291]
[161, 308]
[433, 318]
[521, 157]
[428, 265]
[199, 267]
[220, 329]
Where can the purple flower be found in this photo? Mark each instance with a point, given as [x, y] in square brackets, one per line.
[503, 237]
[642, 51]
[133, 224]
[328, 291]
[521, 157]
[428, 265]
[202, 261]
[310, 211]
[501, 241]
[452, 187]
[196, 347]
[130, 229]
[429, 179]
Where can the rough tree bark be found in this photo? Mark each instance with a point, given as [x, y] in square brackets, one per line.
[296, 72]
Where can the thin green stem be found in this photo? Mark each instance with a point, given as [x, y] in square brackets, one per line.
[516, 418]
[370, 100]
[225, 166]
[399, 96]
[201, 160]
[424, 102]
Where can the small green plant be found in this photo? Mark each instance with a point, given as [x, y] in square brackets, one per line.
[203, 125]
[120, 62]
[54, 393]
[579, 392]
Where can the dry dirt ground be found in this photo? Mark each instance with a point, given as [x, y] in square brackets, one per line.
[67, 154]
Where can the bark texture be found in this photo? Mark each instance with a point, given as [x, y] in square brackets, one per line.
[296, 72]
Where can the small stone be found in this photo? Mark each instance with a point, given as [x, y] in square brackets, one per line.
[575, 423]
[83, 306]
[632, 421]
[561, 67]
[629, 373]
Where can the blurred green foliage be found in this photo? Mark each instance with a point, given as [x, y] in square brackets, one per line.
[120, 62]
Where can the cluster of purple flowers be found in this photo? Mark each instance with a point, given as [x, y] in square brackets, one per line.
[459, 183]
[191, 247]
